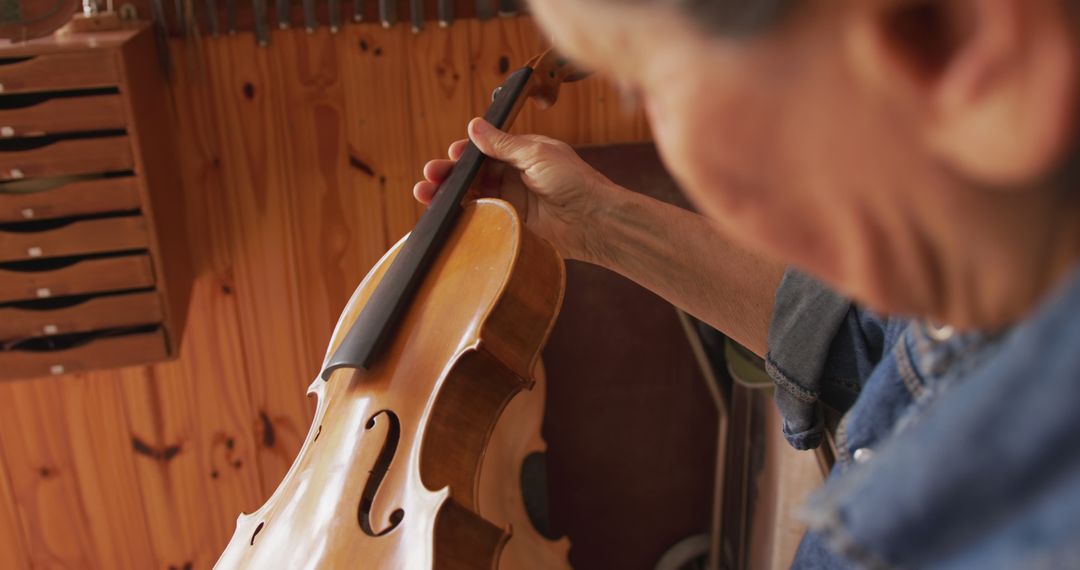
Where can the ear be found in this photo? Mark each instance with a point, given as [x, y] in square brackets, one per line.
[992, 82]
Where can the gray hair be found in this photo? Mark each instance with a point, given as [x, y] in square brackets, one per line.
[733, 17]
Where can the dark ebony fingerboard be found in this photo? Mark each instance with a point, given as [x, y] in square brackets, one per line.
[380, 316]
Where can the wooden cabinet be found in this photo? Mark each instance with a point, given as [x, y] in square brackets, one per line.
[94, 267]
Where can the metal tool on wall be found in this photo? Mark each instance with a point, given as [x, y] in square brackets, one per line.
[212, 17]
[283, 17]
[388, 13]
[311, 21]
[416, 14]
[485, 9]
[335, 15]
[185, 18]
[446, 13]
[262, 34]
[181, 23]
[230, 16]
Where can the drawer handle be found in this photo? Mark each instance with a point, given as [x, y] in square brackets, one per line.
[34, 251]
[27, 213]
[50, 329]
[7, 132]
[17, 174]
[56, 369]
[43, 293]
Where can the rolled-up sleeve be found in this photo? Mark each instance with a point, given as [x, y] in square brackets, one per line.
[820, 345]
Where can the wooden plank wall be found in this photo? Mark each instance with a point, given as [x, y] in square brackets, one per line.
[298, 161]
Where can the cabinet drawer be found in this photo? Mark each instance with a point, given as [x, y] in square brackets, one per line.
[100, 352]
[65, 157]
[62, 197]
[37, 318]
[85, 276]
[58, 72]
[63, 115]
[86, 236]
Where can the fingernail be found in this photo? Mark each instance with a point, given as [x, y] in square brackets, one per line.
[482, 126]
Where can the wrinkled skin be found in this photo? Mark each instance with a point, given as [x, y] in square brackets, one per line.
[904, 152]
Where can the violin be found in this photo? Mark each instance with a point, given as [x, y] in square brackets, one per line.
[429, 397]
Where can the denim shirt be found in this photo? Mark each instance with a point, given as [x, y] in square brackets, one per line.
[955, 450]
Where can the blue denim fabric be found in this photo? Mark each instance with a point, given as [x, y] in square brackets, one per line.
[972, 457]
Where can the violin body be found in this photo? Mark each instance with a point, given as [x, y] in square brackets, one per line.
[415, 463]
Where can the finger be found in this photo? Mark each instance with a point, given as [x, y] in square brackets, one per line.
[515, 150]
[457, 148]
[437, 170]
[424, 191]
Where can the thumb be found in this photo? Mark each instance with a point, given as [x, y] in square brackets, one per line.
[516, 150]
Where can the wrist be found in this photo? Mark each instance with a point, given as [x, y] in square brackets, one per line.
[599, 233]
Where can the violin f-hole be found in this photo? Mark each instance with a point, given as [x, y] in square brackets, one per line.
[378, 472]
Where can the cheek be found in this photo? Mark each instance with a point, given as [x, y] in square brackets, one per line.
[706, 147]
[728, 159]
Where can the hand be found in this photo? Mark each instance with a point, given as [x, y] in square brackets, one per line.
[556, 193]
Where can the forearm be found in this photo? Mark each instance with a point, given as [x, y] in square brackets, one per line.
[682, 257]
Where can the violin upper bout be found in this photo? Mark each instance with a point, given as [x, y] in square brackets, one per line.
[518, 326]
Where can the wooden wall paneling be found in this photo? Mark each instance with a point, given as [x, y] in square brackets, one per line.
[213, 375]
[45, 483]
[496, 48]
[198, 125]
[611, 117]
[379, 130]
[367, 196]
[99, 436]
[588, 112]
[13, 549]
[309, 71]
[193, 438]
[565, 121]
[166, 462]
[256, 158]
[440, 93]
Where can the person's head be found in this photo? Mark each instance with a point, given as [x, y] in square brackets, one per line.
[909, 152]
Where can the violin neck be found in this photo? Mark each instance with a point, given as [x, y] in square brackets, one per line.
[381, 314]
[505, 105]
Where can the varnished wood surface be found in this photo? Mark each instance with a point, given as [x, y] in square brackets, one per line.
[56, 43]
[297, 164]
[109, 311]
[427, 408]
[68, 157]
[81, 70]
[158, 180]
[64, 115]
[84, 276]
[85, 236]
[71, 196]
[140, 347]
